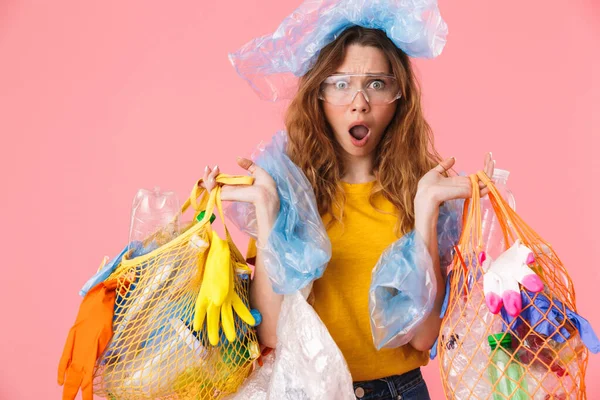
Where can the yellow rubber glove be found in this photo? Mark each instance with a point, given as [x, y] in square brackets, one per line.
[233, 302]
[217, 295]
[215, 287]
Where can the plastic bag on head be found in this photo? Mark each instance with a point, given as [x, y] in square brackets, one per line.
[272, 63]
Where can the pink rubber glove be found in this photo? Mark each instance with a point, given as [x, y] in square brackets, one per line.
[502, 277]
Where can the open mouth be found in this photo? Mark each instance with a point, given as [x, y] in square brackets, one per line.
[359, 135]
[359, 132]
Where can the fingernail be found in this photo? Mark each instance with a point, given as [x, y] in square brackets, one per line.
[491, 156]
[206, 169]
[216, 166]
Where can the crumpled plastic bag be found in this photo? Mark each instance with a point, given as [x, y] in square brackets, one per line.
[307, 364]
[298, 248]
[271, 63]
[403, 284]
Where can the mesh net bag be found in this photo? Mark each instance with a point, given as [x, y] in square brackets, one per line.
[539, 354]
[155, 353]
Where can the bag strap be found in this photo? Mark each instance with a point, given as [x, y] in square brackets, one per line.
[221, 179]
[214, 200]
[471, 215]
[504, 213]
[468, 240]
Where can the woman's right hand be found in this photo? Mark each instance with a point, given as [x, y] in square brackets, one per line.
[263, 193]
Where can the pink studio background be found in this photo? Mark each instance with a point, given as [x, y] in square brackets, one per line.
[98, 99]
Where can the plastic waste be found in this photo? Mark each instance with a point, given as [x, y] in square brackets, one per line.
[505, 371]
[491, 232]
[155, 217]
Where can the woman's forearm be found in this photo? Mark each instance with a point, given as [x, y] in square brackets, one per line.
[262, 296]
[426, 216]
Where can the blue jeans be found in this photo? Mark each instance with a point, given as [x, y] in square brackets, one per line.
[408, 386]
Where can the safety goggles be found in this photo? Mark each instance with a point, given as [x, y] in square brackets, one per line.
[378, 89]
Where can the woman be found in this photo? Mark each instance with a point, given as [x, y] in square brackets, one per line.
[357, 131]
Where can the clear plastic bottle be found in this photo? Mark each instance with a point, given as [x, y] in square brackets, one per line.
[504, 370]
[154, 219]
[491, 232]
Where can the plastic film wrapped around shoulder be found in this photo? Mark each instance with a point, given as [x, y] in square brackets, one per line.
[272, 63]
[307, 364]
[403, 284]
[298, 248]
[402, 291]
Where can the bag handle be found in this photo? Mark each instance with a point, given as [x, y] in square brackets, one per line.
[214, 200]
[506, 216]
[471, 214]
[221, 179]
[504, 213]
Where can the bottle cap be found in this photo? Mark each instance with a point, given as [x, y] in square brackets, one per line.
[503, 339]
[257, 317]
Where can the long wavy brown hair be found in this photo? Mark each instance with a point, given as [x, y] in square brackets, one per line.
[404, 154]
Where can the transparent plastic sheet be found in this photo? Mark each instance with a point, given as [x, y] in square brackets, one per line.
[307, 364]
[298, 248]
[271, 63]
[402, 291]
[403, 284]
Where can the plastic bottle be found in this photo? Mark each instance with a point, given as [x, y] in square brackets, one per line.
[504, 370]
[154, 218]
[491, 232]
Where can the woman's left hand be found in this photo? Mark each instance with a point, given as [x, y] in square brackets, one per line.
[435, 188]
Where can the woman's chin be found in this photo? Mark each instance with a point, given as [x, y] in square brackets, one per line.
[355, 151]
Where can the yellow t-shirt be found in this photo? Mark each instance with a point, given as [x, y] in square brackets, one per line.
[341, 295]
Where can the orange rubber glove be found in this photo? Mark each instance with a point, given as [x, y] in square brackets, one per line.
[87, 340]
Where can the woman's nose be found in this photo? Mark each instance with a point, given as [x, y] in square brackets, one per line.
[360, 103]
